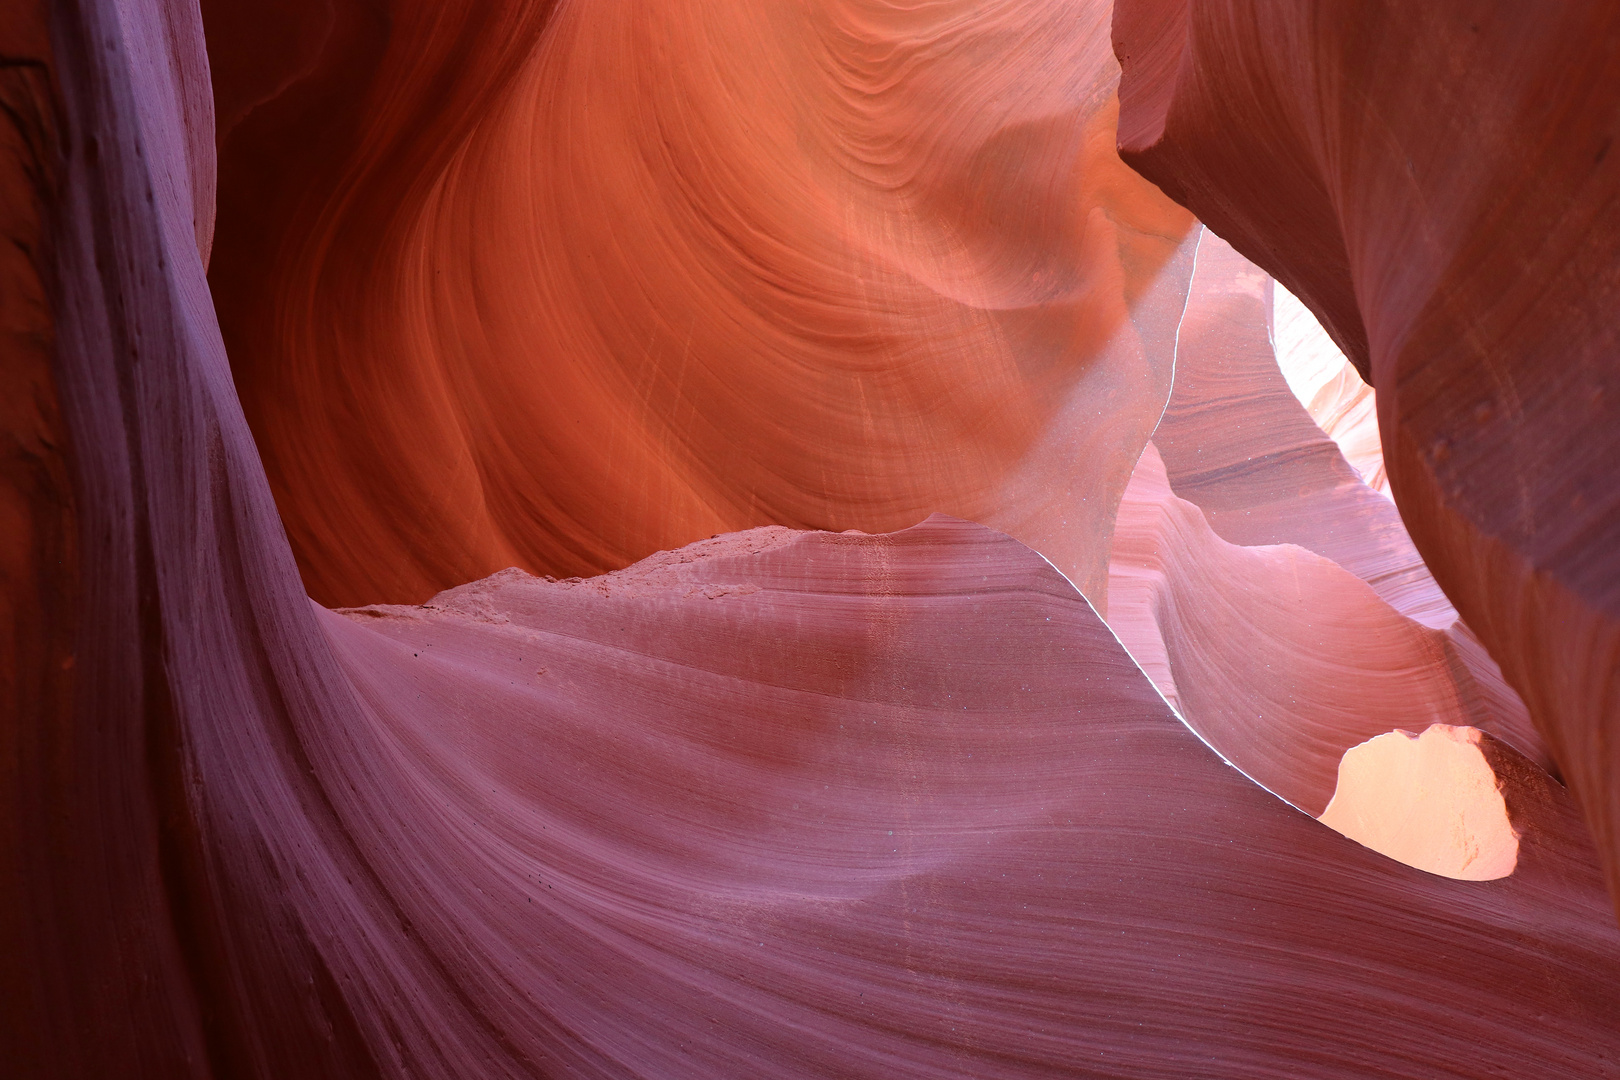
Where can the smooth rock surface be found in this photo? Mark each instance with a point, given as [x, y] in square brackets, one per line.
[1281, 659]
[850, 805]
[543, 827]
[560, 287]
[1436, 183]
[1236, 442]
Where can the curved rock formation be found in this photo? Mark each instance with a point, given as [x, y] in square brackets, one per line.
[1275, 653]
[1237, 443]
[1245, 453]
[778, 803]
[832, 265]
[918, 815]
[1436, 184]
[1279, 658]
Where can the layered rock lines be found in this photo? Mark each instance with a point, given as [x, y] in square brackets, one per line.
[747, 539]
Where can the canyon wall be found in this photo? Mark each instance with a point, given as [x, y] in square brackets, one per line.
[789, 800]
[558, 289]
[1435, 183]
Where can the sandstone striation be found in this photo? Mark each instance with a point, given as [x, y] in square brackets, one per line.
[1236, 443]
[491, 301]
[1281, 659]
[879, 742]
[1436, 184]
[514, 285]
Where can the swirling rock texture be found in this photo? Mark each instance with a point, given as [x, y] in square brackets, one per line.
[1236, 442]
[1436, 184]
[1336, 664]
[1255, 471]
[777, 803]
[563, 291]
[1295, 671]
[894, 824]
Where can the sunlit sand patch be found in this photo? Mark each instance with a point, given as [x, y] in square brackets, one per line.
[1430, 801]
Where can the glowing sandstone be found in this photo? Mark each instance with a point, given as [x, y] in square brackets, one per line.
[1437, 184]
[544, 828]
[1235, 443]
[1274, 654]
[1431, 801]
[1327, 384]
[1278, 657]
[571, 290]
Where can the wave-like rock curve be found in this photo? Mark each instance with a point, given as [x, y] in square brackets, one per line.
[1436, 184]
[541, 826]
[832, 265]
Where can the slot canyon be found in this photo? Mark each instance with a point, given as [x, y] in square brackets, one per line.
[809, 538]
